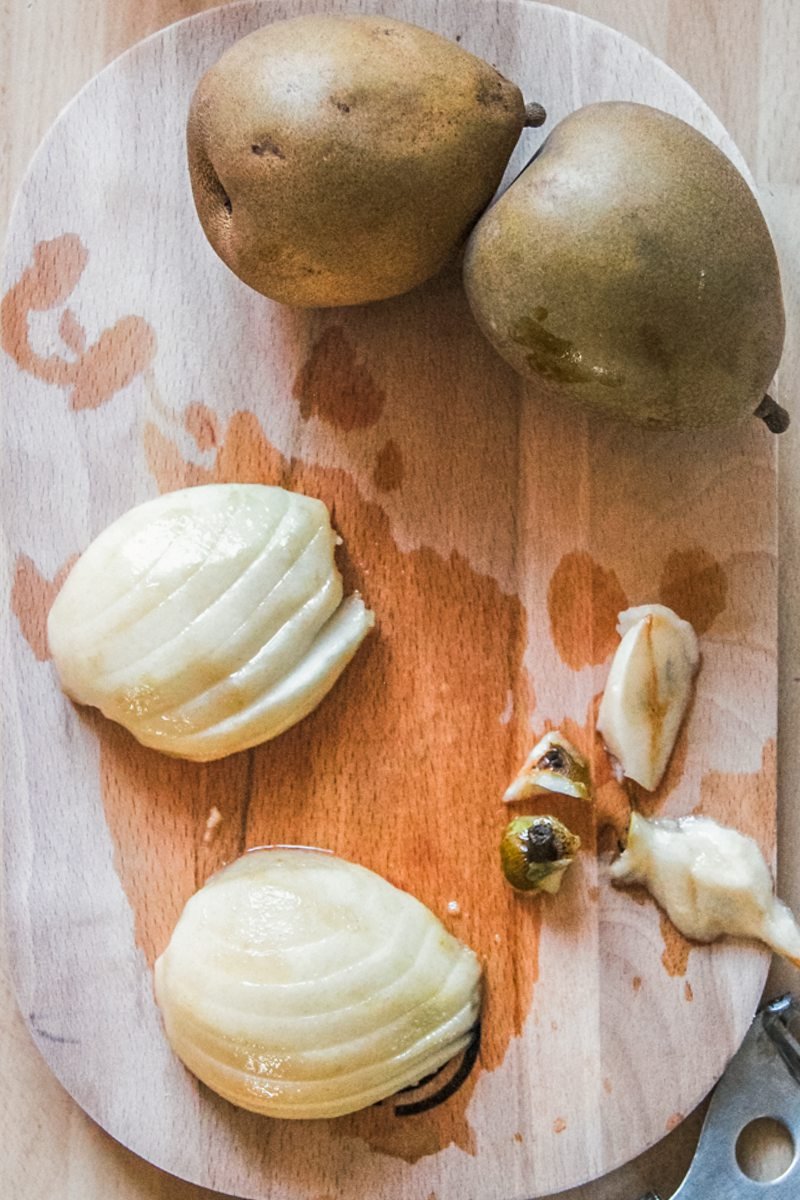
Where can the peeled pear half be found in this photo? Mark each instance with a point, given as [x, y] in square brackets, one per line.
[209, 619]
[299, 985]
[629, 270]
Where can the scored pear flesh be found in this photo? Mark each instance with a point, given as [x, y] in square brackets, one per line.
[711, 880]
[299, 985]
[209, 619]
[648, 690]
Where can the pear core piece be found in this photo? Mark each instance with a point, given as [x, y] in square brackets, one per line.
[553, 765]
[536, 851]
[648, 690]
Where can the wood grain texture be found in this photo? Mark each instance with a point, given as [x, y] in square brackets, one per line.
[130, 1177]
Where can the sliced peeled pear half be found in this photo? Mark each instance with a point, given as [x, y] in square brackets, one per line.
[297, 984]
[648, 691]
[209, 619]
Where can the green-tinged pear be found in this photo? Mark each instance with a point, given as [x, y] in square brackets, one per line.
[629, 269]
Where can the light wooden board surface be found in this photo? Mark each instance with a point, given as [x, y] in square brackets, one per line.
[101, 1168]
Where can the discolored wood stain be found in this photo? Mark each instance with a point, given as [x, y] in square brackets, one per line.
[675, 956]
[51, 278]
[584, 600]
[390, 469]
[31, 597]
[694, 585]
[334, 385]
[344, 776]
[743, 800]
[93, 373]
[157, 810]
[71, 332]
[202, 424]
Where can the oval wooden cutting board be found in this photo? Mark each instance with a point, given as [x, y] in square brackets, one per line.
[495, 537]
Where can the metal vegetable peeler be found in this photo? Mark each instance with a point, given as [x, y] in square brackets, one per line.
[761, 1080]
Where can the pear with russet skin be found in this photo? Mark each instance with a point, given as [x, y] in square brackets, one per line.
[630, 271]
[336, 160]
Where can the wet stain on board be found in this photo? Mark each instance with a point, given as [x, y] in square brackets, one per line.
[694, 585]
[32, 595]
[94, 372]
[584, 600]
[389, 470]
[202, 424]
[677, 948]
[335, 385]
[744, 800]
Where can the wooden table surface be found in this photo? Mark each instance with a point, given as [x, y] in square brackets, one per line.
[741, 57]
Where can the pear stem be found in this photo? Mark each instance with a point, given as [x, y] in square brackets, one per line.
[535, 115]
[774, 416]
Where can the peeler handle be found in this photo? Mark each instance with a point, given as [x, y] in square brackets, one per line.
[761, 1080]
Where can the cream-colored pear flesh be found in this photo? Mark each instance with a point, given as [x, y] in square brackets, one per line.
[710, 880]
[648, 691]
[209, 619]
[299, 985]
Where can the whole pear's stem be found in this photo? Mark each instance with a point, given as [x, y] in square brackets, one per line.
[774, 416]
[534, 115]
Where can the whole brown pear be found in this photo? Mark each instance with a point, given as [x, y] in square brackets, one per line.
[341, 159]
[629, 270]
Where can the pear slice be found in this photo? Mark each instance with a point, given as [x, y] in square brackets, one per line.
[648, 691]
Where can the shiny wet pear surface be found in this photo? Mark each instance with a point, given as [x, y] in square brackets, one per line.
[207, 620]
[299, 985]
